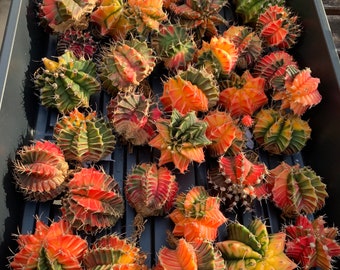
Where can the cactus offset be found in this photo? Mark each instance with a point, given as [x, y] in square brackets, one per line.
[311, 243]
[133, 117]
[280, 133]
[180, 139]
[248, 44]
[197, 215]
[219, 56]
[200, 16]
[224, 134]
[174, 45]
[238, 181]
[300, 91]
[41, 171]
[84, 137]
[296, 189]
[243, 94]
[114, 252]
[190, 90]
[80, 43]
[93, 201]
[60, 15]
[68, 83]
[277, 27]
[125, 64]
[110, 18]
[50, 247]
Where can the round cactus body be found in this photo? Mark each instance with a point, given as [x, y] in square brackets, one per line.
[52, 247]
[238, 181]
[248, 44]
[296, 189]
[41, 171]
[68, 83]
[191, 90]
[133, 117]
[125, 65]
[114, 252]
[83, 137]
[60, 15]
[197, 215]
[243, 95]
[277, 27]
[280, 133]
[219, 56]
[311, 243]
[224, 134]
[180, 139]
[175, 46]
[93, 201]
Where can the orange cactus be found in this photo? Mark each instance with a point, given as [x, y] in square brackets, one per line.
[301, 92]
[219, 56]
[224, 134]
[197, 215]
[245, 95]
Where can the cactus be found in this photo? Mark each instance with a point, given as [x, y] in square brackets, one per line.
[41, 171]
[66, 84]
[174, 45]
[133, 117]
[84, 137]
[280, 133]
[296, 189]
[80, 43]
[311, 243]
[190, 90]
[197, 215]
[300, 91]
[125, 64]
[238, 181]
[93, 201]
[243, 94]
[110, 17]
[248, 44]
[114, 252]
[50, 247]
[278, 27]
[60, 15]
[180, 139]
[251, 247]
[200, 16]
[219, 56]
[224, 134]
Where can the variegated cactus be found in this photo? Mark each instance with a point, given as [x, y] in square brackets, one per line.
[224, 133]
[49, 247]
[133, 117]
[251, 247]
[60, 15]
[190, 90]
[280, 133]
[197, 215]
[68, 83]
[238, 181]
[311, 244]
[84, 137]
[93, 201]
[296, 189]
[41, 171]
[125, 64]
[114, 252]
[180, 139]
[243, 95]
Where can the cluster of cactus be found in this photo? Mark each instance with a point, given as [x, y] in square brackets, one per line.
[223, 92]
